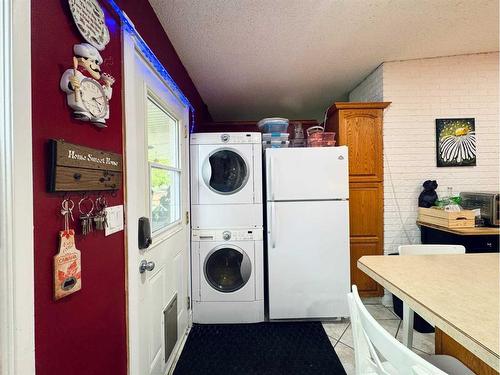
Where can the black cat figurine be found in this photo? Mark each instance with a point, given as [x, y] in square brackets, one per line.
[428, 197]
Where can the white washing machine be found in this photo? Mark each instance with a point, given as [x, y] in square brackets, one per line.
[226, 180]
[228, 276]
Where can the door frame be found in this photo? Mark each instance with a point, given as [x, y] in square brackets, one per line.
[17, 342]
[133, 44]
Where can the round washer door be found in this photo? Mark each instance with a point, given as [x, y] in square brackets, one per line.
[225, 171]
[227, 268]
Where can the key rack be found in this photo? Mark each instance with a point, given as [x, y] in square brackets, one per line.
[79, 168]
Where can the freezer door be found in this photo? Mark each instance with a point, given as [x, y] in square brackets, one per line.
[307, 173]
[308, 258]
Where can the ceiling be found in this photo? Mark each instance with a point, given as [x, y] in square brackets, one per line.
[261, 58]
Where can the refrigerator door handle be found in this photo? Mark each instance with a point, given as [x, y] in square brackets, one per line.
[273, 231]
[271, 178]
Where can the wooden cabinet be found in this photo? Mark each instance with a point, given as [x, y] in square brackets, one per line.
[363, 134]
[359, 126]
[359, 247]
[366, 204]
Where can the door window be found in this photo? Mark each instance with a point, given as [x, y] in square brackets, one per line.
[164, 166]
[228, 172]
[227, 269]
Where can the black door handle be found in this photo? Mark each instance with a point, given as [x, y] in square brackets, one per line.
[144, 233]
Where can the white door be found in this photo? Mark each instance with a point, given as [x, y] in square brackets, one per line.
[308, 259]
[309, 173]
[157, 188]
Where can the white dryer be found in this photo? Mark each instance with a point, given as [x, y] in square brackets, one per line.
[226, 180]
[228, 276]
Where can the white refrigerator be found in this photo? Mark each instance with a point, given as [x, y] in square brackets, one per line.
[307, 232]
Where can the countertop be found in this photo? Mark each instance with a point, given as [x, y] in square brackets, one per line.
[475, 231]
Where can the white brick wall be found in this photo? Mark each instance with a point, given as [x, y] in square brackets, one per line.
[421, 91]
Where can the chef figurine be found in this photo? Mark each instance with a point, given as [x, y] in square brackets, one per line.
[88, 90]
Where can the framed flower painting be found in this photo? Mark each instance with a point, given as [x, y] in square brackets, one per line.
[455, 142]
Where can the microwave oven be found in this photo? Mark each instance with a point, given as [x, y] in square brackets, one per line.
[487, 202]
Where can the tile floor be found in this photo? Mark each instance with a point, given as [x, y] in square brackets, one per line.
[341, 337]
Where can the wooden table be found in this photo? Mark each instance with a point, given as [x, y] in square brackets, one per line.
[459, 294]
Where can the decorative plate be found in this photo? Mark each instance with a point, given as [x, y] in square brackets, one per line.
[89, 19]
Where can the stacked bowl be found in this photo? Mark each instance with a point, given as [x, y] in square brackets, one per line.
[275, 132]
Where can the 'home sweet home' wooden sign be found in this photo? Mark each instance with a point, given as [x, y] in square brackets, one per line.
[79, 168]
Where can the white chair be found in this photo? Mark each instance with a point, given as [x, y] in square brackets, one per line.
[408, 313]
[377, 352]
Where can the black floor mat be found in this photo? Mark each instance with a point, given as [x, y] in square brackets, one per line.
[291, 348]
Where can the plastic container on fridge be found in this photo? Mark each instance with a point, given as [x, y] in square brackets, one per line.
[314, 129]
[275, 137]
[320, 143]
[321, 139]
[273, 125]
[275, 144]
[298, 143]
[322, 136]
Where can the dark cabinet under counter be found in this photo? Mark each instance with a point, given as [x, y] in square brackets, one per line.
[475, 240]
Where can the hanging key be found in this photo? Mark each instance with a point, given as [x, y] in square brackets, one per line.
[100, 218]
[86, 208]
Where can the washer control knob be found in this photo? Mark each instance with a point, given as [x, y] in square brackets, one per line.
[224, 137]
[226, 235]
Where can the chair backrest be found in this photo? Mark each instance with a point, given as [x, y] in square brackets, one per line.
[430, 249]
[376, 351]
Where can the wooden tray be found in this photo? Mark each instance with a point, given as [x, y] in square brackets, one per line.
[462, 219]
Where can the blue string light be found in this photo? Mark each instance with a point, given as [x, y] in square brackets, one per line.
[151, 57]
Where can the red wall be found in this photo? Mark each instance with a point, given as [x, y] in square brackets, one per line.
[84, 333]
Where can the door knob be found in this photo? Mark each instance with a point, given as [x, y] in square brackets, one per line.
[146, 266]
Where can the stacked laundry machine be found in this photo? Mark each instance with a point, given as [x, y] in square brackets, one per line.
[227, 228]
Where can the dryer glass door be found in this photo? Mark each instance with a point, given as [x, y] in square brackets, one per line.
[225, 171]
[227, 269]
